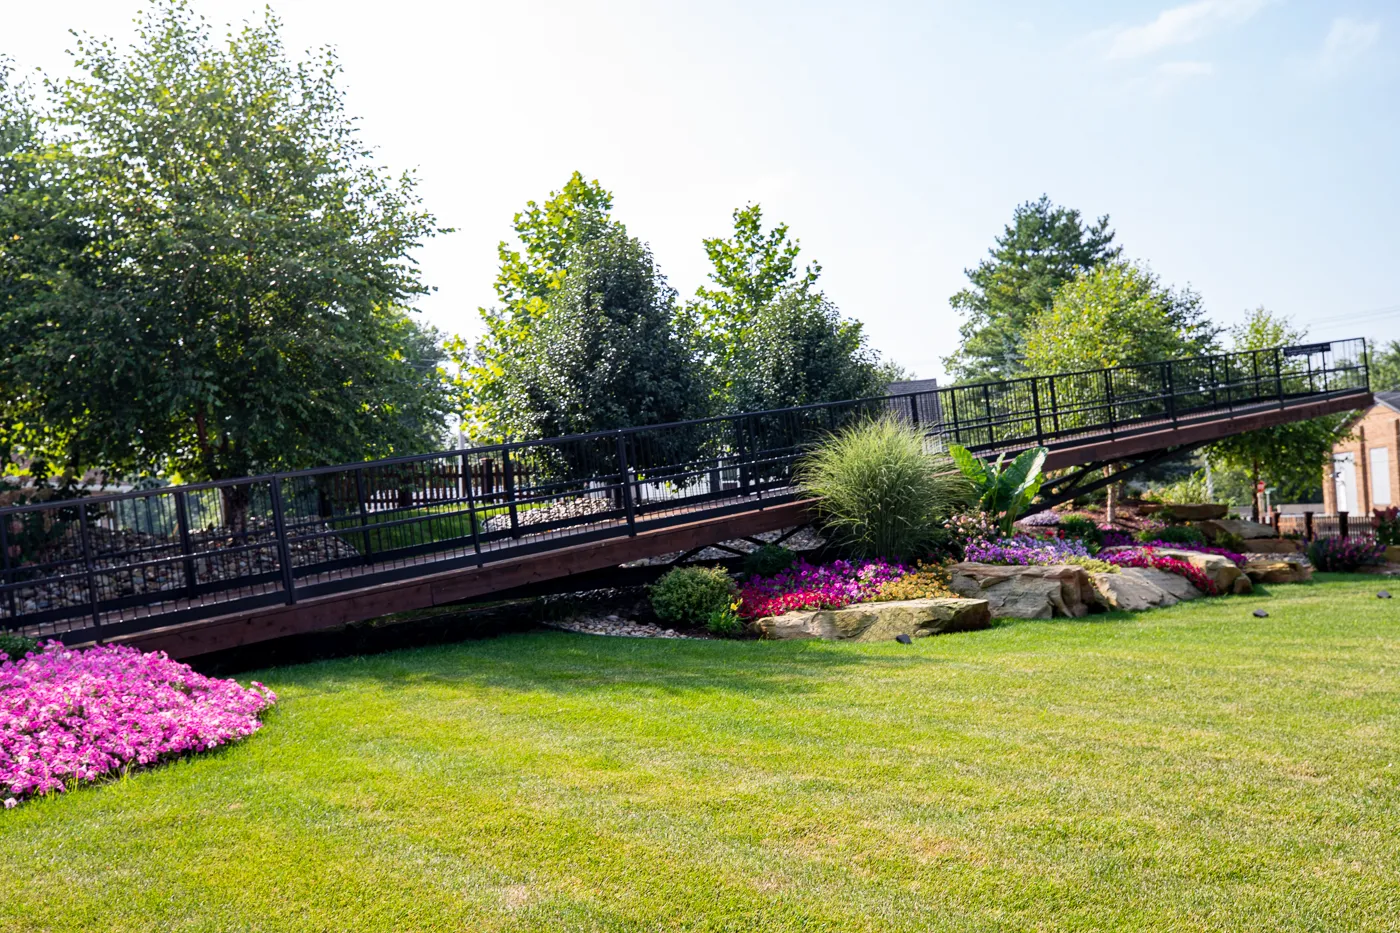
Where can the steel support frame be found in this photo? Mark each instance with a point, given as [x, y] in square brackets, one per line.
[1065, 488]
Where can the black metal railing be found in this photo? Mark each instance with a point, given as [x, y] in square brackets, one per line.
[113, 564]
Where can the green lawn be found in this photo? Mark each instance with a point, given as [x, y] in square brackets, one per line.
[1187, 769]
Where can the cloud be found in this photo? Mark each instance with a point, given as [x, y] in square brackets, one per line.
[1346, 41]
[1181, 25]
[1186, 69]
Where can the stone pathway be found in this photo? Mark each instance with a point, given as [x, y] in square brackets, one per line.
[616, 626]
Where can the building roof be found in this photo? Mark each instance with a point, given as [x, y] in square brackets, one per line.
[1390, 400]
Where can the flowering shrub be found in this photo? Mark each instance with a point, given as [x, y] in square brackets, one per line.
[970, 528]
[803, 586]
[1024, 549]
[926, 581]
[68, 715]
[1344, 554]
[1387, 522]
[1148, 558]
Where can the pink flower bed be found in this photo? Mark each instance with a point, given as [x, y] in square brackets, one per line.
[804, 586]
[1150, 559]
[70, 715]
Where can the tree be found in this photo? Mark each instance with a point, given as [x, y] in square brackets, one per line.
[606, 353]
[528, 279]
[1289, 456]
[798, 350]
[1043, 247]
[1115, 314]
[239, 302]
[1385, 367]
[771, 338]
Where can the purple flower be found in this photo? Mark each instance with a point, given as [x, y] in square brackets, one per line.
[1024, 549]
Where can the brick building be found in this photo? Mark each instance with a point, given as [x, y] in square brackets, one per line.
[1365, 473]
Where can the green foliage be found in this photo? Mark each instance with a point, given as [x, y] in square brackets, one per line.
[528, 280]
[1085, 529]
[1289, 456]
[232, 293]
[1173, 534]
[1003, 492]
[725, 622]
[768, 561]
[1188, 490]
[1388, 526]
[605, 355]
[15, 646]
[692, 595]
[1115, 314]
[798, 350]
[1385, 367]
[1043, 247]
[879, 492]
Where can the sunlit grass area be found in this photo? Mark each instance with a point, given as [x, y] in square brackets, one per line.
[1195, 768]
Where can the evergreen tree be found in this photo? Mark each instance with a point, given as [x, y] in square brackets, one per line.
[1043, 247]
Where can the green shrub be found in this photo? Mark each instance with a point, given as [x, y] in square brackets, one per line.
[1003, 489]
[1173, 534]
[725, 622]
[768, 561]
[16, 646]
[691, 595]
[1230, 542]
[880, 493]
[1085, 529]
[1186, 491]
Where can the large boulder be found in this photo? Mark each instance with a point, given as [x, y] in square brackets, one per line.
[1220, 569]
[1135, 588]
[1272, 546]
[879, 621]
[1279, 569]
[1215, 527]
[1015, 592]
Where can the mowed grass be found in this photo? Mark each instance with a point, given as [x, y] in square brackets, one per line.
[1187, 769]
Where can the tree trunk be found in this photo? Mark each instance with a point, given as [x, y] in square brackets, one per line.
[1110, 512]
[1257, 493]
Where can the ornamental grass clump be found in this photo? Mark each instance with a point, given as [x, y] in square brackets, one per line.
[1344, 555]
[879, 492]
[805, 586]
[71, 716]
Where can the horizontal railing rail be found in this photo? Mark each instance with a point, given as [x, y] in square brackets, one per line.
[116, 563]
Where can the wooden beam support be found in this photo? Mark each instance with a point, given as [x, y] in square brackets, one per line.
[245, 628]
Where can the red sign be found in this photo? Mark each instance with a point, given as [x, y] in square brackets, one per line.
[1259, 486]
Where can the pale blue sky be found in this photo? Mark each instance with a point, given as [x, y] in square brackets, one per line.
[1246, 147]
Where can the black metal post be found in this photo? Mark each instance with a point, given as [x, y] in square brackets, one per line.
[284, 550]
[914, 410]
[6, 578]
[182, 521]
[1170, 384]
[953, 405]
[1308, 525]
[89, 567]
[1342, 524]
[508, 476]
[366, 549]
[624, 477]
[1054, 407]
[987, 407]
[471, 509]
[1108, 396]
[1278, 375]
[1035, 405]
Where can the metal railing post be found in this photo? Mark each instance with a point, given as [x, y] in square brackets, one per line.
[6, 578]
[1035, 405]
[366, 549]
[508, 477]
[1054, 407]
[89, 568]
[182, 521]
[471, 509]
[953, 406]
[1108, 397]
[1278, 375]
[624, 477]
[1170, 380]
[1308, 525]
[1342, 528]
[284, 550]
